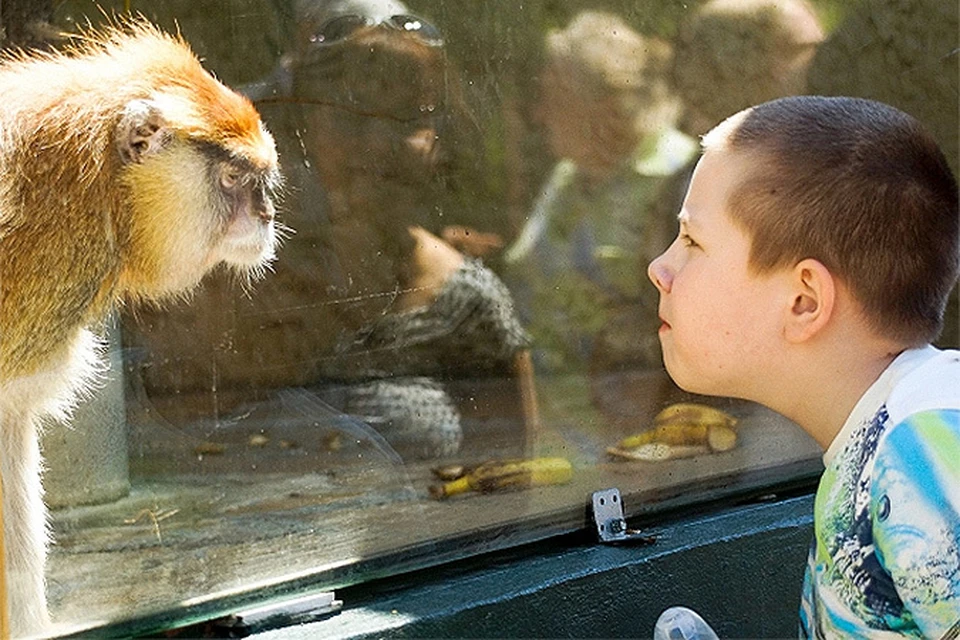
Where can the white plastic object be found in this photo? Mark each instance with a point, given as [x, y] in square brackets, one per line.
[680, 623]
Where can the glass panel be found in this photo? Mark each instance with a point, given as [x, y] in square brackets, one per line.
[473, 191]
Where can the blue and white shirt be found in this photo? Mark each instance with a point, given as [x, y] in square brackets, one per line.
[886, 556]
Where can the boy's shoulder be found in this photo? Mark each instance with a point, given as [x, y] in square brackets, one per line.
[887, 514]
[915, 493]
[933, 383]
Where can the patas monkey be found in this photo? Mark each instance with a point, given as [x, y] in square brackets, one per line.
[126, 173]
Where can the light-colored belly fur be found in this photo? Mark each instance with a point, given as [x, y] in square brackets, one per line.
[25, 404]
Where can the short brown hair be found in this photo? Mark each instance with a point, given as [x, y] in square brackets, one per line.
[859, 186]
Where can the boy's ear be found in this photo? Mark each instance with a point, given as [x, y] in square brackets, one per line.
[813, 291]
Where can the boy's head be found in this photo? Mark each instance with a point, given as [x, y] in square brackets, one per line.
[858, 186]
[805, 218]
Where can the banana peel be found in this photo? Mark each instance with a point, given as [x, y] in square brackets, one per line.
[507, 475]
[450, 472]
[681, 430]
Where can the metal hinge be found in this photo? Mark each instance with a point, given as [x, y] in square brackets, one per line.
[611, 525]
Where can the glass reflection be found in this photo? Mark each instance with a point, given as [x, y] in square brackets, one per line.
[382, 131]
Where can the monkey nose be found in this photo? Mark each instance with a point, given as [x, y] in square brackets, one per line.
[266, 214]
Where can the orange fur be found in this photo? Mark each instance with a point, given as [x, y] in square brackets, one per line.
[45, 98]
[107, 193]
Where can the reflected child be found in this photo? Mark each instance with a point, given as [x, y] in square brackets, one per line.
[606, 112]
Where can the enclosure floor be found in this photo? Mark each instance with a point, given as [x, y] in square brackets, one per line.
[277, 505]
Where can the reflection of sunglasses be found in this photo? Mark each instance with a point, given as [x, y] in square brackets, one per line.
[342, 27]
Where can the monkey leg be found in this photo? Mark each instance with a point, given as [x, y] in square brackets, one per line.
[24, 524]
[4, 599]
[23, 401]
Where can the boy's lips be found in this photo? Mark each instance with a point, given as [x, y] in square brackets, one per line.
[664, 325]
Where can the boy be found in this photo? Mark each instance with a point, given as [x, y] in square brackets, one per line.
[818, 243]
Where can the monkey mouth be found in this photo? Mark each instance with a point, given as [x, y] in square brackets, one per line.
[248, 241]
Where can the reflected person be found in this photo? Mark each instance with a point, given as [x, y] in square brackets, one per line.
[384, 132]
[606, 113]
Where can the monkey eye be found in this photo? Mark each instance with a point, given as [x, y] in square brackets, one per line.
[230, 176]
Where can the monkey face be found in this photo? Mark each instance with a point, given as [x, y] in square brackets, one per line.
[194, 203]
[244, 204]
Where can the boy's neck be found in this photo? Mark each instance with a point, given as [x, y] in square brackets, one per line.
[821, 399]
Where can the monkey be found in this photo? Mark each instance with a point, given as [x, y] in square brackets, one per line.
[127, 172]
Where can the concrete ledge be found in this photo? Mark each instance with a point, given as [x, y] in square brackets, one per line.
[740, 568]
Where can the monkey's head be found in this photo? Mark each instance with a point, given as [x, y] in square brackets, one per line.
[198, 169]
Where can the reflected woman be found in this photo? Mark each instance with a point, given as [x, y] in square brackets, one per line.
[384, 131]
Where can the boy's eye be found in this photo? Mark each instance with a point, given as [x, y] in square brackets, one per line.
[688, 241]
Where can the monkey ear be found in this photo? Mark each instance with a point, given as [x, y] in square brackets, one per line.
[142, 131]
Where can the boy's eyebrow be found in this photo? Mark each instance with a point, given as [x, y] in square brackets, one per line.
[688, 216]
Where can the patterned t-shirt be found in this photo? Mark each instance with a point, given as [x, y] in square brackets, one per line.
[886, 556]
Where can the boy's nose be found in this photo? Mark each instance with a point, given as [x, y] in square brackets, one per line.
[659, 274]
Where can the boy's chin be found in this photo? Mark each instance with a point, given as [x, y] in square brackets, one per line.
[675, 372]
[688, 381]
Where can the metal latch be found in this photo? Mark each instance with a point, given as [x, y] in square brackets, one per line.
[611, 525]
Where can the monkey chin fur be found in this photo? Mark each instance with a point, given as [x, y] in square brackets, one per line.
[249, 244]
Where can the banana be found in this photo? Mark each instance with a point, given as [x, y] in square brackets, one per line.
[507, 475]
[692, 412]
[681, 430]
[450, 472]
[670, 434]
